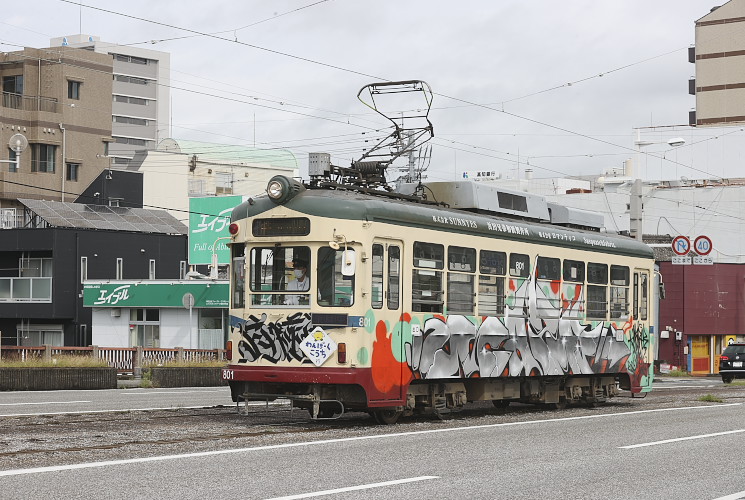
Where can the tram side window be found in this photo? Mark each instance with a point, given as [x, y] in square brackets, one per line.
[517, 296]
[426, 282]
[597, 290]
[275, 271]
[238, 259]
[619, 291]
[492, 268]
[377, 276]
[394, 277]
[548, 276]
[334, 289]
[573, 289]
[574, 271]
[461, 270]
[519, 265]
[644, 300]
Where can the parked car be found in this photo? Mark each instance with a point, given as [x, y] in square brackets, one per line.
[732, 362]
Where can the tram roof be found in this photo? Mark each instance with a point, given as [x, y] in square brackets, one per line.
[349, 205]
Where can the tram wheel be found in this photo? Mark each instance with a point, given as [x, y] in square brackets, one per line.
[727, 379]
[386, 417]
[501, 403]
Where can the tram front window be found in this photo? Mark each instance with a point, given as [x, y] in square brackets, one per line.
[279, 276]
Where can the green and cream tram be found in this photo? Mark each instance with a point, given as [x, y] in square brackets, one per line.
[408, 307]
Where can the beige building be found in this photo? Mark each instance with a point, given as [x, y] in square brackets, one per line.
[140, 93]
[60, 100]
[719, 56]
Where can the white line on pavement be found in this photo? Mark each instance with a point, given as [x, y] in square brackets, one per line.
[687, 438]
[733, 496]
[355, 488]
[89, 465]
[44, 403]
[156, 393]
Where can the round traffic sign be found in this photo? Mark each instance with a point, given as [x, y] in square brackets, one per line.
[702, 245]
[681, 245]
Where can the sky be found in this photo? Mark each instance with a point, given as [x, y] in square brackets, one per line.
[556, 87]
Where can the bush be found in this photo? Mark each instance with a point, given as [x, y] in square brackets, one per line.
[62, 361]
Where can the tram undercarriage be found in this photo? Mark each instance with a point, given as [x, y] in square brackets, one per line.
[438, 398]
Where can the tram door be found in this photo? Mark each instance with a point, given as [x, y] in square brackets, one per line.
[640, 309]
[386, 286]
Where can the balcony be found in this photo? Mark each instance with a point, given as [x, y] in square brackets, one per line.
[25, 290]
[30, 103]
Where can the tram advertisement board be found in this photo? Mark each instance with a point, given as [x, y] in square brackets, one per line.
[209, 218]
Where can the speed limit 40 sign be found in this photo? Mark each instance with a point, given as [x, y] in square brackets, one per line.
[702, 245]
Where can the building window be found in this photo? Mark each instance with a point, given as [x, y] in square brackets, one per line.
[37, 335]
[182, 269]
[12, 157]
[121, 161]
[43, 157]
[223, 183]
[73, 89]
[130, 120]
[144, 327]
[119, 268]
[130, 59]
[72, 171]
[130, 79]
[83, 269]
[131, 100]
[13, 84]
[151, 269]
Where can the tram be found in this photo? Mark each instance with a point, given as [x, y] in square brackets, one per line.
[419, 308]
[346, 298]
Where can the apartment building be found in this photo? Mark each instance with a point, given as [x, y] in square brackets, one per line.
[140, 94]
[59, 100]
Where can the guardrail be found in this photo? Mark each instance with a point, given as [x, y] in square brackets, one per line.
[126, 360]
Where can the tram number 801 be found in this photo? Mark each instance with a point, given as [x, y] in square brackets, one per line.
[228, 375]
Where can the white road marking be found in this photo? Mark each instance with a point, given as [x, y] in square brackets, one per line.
[89, 465]
[355, 488]
[733, 496]
[155, 393]
[687, 438]
[45, 403]
[656, 388]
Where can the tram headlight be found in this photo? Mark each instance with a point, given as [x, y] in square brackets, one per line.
[281, 189]
[275, 189]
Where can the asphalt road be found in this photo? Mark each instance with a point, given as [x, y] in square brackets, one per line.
[668, 445]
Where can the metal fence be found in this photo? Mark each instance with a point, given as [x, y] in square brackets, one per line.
[127, 360]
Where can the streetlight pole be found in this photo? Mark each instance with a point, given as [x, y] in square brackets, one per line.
[636, 205]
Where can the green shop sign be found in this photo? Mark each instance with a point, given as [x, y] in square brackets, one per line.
[209, 219]
[168, 294]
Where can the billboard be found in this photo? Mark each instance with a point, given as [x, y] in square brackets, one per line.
[144, 294]
[209, 218]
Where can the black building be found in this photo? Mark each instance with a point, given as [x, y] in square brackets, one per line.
[45, 259]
